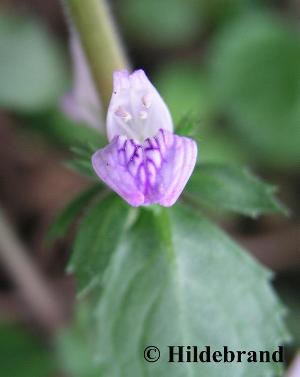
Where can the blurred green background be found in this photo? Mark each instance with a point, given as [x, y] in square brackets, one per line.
[233, 66]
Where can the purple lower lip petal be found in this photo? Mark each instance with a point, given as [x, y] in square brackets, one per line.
[145, 163]
[154, 172]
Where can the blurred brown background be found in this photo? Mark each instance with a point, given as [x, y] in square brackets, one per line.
[233, 64]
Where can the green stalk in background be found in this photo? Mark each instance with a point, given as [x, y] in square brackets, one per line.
[100, 41]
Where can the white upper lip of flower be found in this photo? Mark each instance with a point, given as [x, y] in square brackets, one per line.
[136, 110]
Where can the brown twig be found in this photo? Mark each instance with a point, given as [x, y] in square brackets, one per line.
[33, 288]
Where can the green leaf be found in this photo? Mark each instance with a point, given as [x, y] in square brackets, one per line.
[98, 236]
[168, 23]
[74, 345]
[214, 144]
[219, 13]
[184, 87]
[22, 355]
[218, 146]
[188, 126]
[81, 166]
[84, 151]
[81, 162]
[224, 187]
[256, 82]
[287, 286]
[68, 215]
[179, 280]
[33, 69]
[61, 130]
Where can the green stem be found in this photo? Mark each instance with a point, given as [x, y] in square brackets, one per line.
[100, 41]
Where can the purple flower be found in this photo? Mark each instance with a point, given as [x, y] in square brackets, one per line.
[145, 163]
[82, 103]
